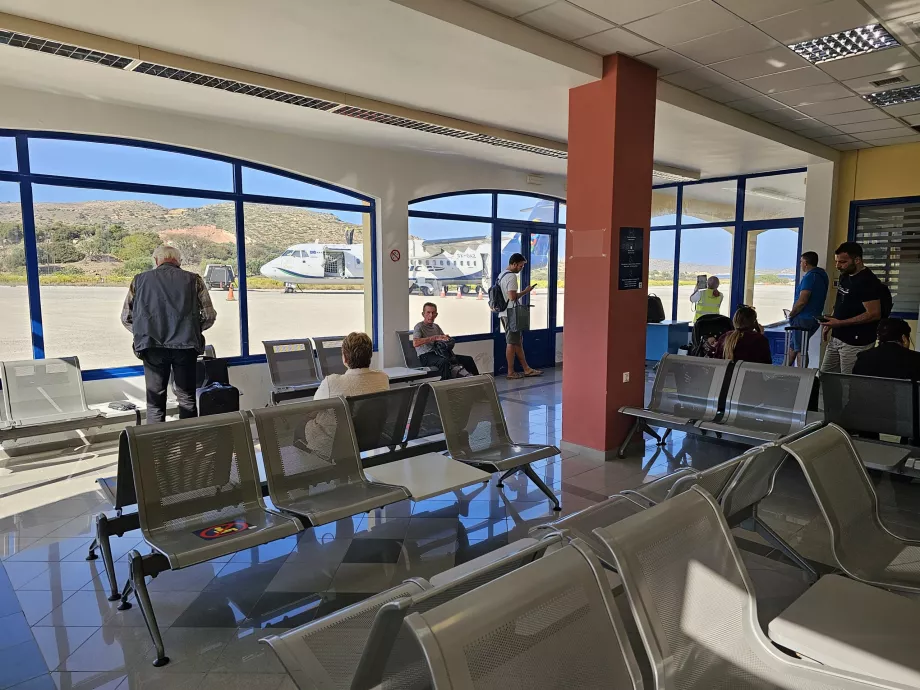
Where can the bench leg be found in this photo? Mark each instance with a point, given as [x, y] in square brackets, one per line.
[92, 556]
[102, 539]
[765, 531]
[139, 584]
[621, 453]
[501, 480]
[664, 438]
[532, 476]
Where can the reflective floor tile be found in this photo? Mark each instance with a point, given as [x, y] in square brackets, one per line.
[245, 654]
[58, 643]
[370, 550]
[192, 650]
[279, 548]
[89, 608]
[152, 679]
[14, 630]
[218, 610]
[324, 555]
[121, 547]
[192, 579]
[377, 527]
[80, 526]
[167, 607]
[62, 575]
[38, 604]
[9, 602]
[45, 682]
[21, 573]
[301, 577]
[20, 663]
[253, 681]
[67, 680]
[100, 580]
[282, 610]
[111, 649]
[364, 577]
[49, 549]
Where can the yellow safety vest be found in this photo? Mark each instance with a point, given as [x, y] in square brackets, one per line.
[708, 304]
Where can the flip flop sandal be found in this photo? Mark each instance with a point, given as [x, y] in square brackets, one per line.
[533, 372]
[515, 376]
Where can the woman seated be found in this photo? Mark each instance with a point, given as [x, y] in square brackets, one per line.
[746, 343]
[893, 358]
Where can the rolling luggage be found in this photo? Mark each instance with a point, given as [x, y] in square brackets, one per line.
[217, 398]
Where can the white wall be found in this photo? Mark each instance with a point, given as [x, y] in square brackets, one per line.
[393, 177]
[816, 232]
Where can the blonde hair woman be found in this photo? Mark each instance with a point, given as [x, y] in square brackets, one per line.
[746, 343]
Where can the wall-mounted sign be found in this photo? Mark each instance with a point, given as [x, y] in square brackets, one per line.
[395, 255]
[632, 244]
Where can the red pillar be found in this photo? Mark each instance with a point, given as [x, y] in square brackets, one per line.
[611, 147]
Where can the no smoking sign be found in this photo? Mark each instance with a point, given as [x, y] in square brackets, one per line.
[395, 255]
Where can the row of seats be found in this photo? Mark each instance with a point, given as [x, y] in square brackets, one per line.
[542, 611]
[743, 401]
[197, 482]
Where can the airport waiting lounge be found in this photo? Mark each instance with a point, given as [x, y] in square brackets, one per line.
[459, 344]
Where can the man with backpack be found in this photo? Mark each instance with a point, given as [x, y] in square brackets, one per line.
[502, 296]
[862, 300]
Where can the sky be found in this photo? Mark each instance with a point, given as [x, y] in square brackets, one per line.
[776, 249]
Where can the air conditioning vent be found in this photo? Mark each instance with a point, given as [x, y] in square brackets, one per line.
[405, 123]
[508, 144]
[890, 81]
[41, 45]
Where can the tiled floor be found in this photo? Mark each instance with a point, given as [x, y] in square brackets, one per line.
[58, 630]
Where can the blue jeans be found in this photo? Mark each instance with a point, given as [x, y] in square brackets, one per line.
[796, 338]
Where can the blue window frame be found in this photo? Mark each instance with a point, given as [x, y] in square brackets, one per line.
[208, 187]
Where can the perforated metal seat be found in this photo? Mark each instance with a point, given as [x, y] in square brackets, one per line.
[862, 545]
[714, 480]
[694, 604]
[476, 432]
[329, 353]
[581, 525]
[765, 402]
[380, 419]
[39, 391]
[410, 354]
[686, 390]
[656, 490]
[551, 624]
[198, 498]
[292, 367]
[313, 465]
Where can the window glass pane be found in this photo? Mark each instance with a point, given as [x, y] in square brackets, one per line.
[464, 263]
[15, 335]
[709, 203]
[560, 280]
[664, 206]
[8, 154]
[770, 287]
[776, 196]
[562, 213]
[461, 204]
[269, 184]
[92, 242]
[128, 164]
[515, 207]
[661, 267]
[704, 251]
[536, 273]
[306, 273]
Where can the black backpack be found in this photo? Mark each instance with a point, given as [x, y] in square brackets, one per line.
[497, 301]
[886, 301]
[655, 309]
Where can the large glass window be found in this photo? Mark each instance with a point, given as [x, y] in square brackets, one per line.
[709, 203]
[703, 251]
[560, 276]
[769, 281]
[776, 196]
[91, 244]
[661, 267]
[15, 335]
[529, 208]
[457, 204]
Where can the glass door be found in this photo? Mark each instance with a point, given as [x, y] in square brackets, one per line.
[771, 267]
[540, 246]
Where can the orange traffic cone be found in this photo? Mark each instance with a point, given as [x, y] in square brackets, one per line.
[230, 297]
[443, 291]
[479, 294]
[459, 292]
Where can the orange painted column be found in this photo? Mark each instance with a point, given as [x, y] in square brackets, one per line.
[611, 146]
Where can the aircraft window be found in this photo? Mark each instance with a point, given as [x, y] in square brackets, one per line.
[299, 254]
[359, 261]
[288, 253]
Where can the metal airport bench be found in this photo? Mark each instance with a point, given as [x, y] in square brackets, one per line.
[292, 367]
[313, 465]
[198, 498]
[381, 419]
[476, 433]
[550, 624]
[410, 355]
[329, 353]
[862, 545]
[686, 390]
[695, 607]
[764, 403]
[871, 405]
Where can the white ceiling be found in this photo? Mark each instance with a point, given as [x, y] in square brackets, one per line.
[734, 52]
[386, 51]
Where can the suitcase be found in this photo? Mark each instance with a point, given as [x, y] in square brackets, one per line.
[217, 398]
[209, 370]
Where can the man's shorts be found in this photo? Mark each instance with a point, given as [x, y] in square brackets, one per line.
[796, 337]
[511, 337]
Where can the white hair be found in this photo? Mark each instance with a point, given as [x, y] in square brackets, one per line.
[166, 253]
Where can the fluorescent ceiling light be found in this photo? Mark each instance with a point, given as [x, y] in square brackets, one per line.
[858, 41]
[906, 94]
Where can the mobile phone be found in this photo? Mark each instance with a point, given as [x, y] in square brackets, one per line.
[701, 281]
[823, 318]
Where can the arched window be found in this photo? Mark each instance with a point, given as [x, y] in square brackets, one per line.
[81, 215]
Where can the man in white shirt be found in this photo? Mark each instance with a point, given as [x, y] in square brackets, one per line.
[508, 281]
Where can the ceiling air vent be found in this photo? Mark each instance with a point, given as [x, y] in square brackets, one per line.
[41, 45]
[404, 122]
[508, 144]
[233, 86]
[890, 81]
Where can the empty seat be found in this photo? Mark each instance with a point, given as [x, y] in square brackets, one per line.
[686, 390]
[551, 624]
[765, 402]
[40, 391]
[714, 480]
[380, 419]
[861, 543]
[312, 462]
[656, 490]
[410, 355]
[329, 353]
[476, 432]
[292, 367]
[694, 604]
[198, 498]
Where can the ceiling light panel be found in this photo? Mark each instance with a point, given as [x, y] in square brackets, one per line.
[858, 41]
[907, 94]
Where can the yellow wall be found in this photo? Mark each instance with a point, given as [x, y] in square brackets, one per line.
[878, 173]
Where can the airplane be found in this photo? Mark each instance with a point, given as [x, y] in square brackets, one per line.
[452, 263]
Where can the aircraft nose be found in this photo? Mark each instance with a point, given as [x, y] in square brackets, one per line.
[267, 270]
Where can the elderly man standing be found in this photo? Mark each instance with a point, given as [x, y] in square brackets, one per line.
[167, 309]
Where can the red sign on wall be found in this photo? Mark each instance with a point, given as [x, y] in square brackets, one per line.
[395, 255]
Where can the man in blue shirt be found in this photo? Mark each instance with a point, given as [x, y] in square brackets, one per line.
[810, 296]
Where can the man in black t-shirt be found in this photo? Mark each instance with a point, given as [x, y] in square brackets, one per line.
[857, 311]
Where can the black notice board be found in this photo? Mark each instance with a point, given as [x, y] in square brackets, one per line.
[632, 245]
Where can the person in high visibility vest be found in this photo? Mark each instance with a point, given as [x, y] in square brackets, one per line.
[707, 301]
